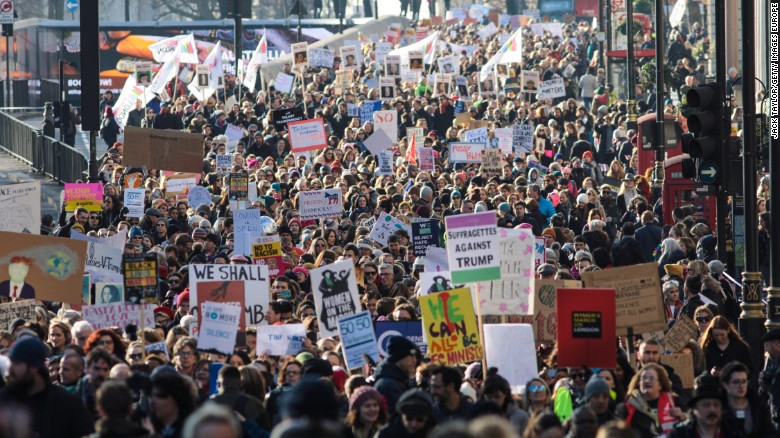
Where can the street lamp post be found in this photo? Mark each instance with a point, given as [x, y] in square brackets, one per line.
[773, 292]
[630, 65]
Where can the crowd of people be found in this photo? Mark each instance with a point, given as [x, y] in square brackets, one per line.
[579, 187]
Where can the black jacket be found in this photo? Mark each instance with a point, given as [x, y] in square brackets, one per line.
[626, 251]
[395, 429]
[391, 382]
[119, 428]
[55, 412]
[762, 423]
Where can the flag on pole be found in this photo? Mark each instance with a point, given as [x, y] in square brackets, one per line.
[189, 52]
[259, 57]
[168, 71]
[511, 51]
[214, 62]
[163, 50]
[131, 93]
[411, 151]
[429, 46]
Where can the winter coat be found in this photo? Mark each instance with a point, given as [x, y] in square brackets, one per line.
[391, 382]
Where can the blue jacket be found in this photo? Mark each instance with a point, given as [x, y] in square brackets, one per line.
[547, 210]
[649, 237]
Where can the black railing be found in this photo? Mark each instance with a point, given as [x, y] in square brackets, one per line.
[45, 154]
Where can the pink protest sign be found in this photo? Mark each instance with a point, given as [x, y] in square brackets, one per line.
[87, 195]
[307, 135]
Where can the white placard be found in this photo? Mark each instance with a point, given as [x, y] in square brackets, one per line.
[387, 121]
[20, 207]
[356, 333]
[320, 204]
[280, 340]
[198, 196]
[335, 294]
[466, 152]
[378, 141]
[516, 360]
[134, 201]
[118, 315]
[552, 89]
[284, 82]
[512, 294]
[218, 327]
[385, 226]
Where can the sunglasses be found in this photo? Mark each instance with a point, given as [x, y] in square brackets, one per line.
[136, 356]
[537, 388]
[577, 375]
[370, 272]
[94, 217]
[703, 318]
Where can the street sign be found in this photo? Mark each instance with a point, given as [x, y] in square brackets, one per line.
[708, 172]
[6, 12]
[72, 5]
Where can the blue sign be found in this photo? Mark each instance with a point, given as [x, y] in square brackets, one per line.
[367, 109]
[72, 5]
[460, 106]
[357, 338]
[411, 330]
[708, 172]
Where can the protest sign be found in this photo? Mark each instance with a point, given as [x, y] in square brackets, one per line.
[379, 141]
[411, 330]
[466, 152]
[504, 137]
[417, 133]
[163, 149]
[106, 293]
[479, 135]
[104, 262]
[683, 330]
[540, 252]
[349, 56]
[300, 54]
[24, 309]
[307, 135]
[48, 268]
[320, 204]
[543, 311]
[425, 159]
[451, 327]
[267, 250]
[515, 359]
[472, 247]
[555, 29]
[198, 196]
[86, 195]
[387, 88]
[552, 89]
[638, 298]
[218, 327]
[134, 201]
[238, 186]
[179, 184]
[246, 285]
[492, 161]
[487, 31]
[436, 281]
[321, 57]
[224, 163]
[280, 340]
[284, 82]
[511, 294]
[682, 363]
[246, 226]
[367, 110]
[118, 315]
[116, 241]
[424, 234]
[387, 121]
[140, 278]
[385, 226]
[530, 81]
[385, 161]
[20, 207]
[234, 134]
[356, 333]
[283, 116]
[522, 138]
[436, 260]
[157, 348]
[352, 110]
[336, 294]
[586, 327]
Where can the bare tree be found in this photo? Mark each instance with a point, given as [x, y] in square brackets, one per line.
[189, 9]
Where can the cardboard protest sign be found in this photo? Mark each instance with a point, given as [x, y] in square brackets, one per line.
[163, 149]
[218, 327]
[543, 311]
[515, 359]
[134, 201]
[683, 330]
[522, 138]
[586, 327]
[284, 82]
[20, 207]
[682, 363]
[141, 284]
[86, 195]
[104, 262]
[18, 309]
[283, 116]
[300, 54]
[267, 250]
[638, 296]
[411, 330]
[118, 315]
[321, 57]
[42, 267]
[451, 327]
[387, 121]
[511, 295]
[357, 338]
[378, 141]
[552, 89]
[385, 162]
[492, 161]
[320, 204]
[307, 135]
[108, 293]
[385, 226]
[198, 196]
[472, 247]
[280, 340]
[424, 234]
[336, 294]
[466, 152]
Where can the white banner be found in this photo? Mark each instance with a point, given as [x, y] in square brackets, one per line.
[20, 207]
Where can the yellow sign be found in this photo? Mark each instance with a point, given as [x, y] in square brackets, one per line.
[451, 327]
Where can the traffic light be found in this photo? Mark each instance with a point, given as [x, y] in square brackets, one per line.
[705, 126]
